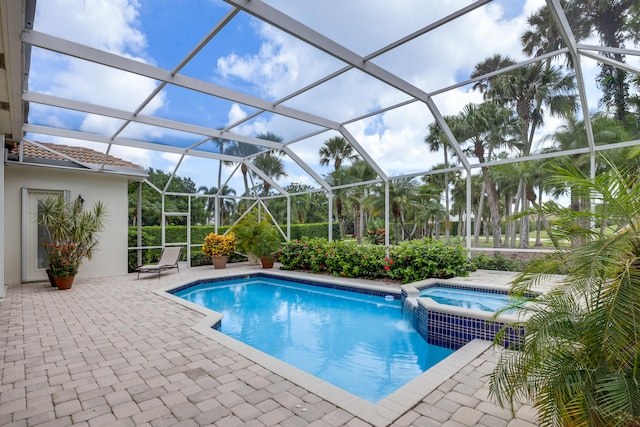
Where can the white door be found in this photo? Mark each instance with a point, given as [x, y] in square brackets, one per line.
[34, 257]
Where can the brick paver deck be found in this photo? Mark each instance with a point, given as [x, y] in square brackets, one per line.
[110, 352]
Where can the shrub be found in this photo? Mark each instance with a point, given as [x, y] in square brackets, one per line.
[408, 262]
[415, 260]
[497, 262]
[219, 245]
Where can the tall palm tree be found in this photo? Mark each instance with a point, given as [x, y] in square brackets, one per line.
[543, 35]
[244, 150]
[427, 207]
[338, 150]
[445, 181]
[272, 166]
[578, 360]
[526, 90]
[401, 194]
[484, 128]
[227, 203]
[435, 140]
[360, 171]
[608, 19]
[336, 178]
[220, 143]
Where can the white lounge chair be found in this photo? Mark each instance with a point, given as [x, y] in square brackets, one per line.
[168, 260]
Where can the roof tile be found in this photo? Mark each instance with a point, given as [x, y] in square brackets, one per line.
[81, 154]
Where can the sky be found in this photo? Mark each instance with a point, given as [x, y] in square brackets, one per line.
[254, 58]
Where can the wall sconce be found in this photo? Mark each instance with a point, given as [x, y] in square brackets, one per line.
[80, 199]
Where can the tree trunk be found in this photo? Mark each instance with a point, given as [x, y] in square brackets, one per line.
[360, 224]
[476, 231]
[492, 197]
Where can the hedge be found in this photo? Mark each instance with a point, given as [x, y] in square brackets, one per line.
[152, 236]
[407, 262]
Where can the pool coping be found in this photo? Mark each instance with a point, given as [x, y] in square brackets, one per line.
[379, 414]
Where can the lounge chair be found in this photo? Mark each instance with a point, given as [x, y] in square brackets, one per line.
[168, 260]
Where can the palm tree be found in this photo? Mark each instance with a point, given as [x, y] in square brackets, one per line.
[543, 35]
[436, 139]
[227, 203]
[608, 19]
[336, 178]
[209, 206]
[338, 150]
[401, 194]
[272, 166]
[360, 171]
[443, 180]
[219, 142]
[578, 360]
[244, 150]
[427, 207]
[485, 127]
[572, 135]
[526, 90]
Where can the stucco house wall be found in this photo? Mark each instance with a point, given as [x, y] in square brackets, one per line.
[110, 257]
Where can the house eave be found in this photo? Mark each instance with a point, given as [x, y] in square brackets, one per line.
[133, 175]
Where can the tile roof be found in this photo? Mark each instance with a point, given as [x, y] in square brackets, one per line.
[81, 154]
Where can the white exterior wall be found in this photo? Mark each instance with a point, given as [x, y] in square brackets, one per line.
[2, 223]
[110, 256]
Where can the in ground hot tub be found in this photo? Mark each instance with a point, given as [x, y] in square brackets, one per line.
[451, 314]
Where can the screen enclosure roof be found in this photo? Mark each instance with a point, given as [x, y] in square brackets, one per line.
[193, 82]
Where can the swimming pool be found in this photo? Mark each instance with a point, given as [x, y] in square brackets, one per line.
[358, 341]
[467, 298]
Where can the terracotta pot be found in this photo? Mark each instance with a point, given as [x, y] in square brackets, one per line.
[64, 283]
[220, 261]
[267, 261]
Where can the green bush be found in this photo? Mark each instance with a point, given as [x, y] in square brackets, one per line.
[415, 260]
[408, 262]
[497, 262]
[320, 229]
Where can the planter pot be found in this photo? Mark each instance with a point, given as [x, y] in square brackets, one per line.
[52, 281]
[267, 261]
[253, 259]
[64, 283]
[220, 261]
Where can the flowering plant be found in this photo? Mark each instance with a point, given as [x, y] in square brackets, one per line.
[64, 259]
[219, 244]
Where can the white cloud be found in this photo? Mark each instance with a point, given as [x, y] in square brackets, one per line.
[236, 113]
[111, 25]
[280, 64]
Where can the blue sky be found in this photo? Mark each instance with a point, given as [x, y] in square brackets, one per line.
[253, 58]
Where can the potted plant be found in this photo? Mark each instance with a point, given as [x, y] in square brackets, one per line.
[246, 231]
[219, 247]
[73, 235]
[267, 243]
[64, 262]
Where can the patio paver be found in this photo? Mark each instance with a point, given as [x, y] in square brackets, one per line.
[111, 352]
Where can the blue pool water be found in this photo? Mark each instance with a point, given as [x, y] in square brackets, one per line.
[466, 298]
[360, 343]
